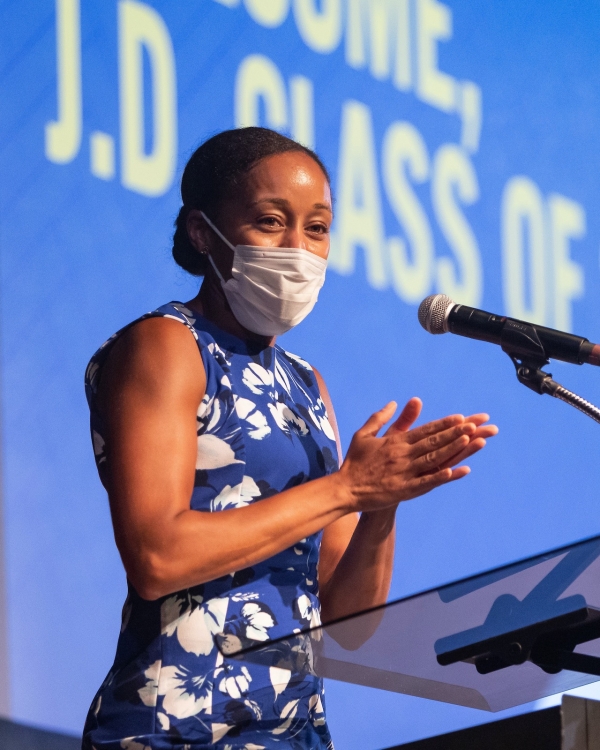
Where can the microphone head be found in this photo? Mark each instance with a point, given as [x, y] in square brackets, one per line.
[434, 311]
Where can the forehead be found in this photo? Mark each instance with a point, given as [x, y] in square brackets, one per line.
[293, 174]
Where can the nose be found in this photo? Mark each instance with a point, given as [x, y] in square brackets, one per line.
[294, 237]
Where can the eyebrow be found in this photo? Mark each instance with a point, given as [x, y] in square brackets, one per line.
[283, 203]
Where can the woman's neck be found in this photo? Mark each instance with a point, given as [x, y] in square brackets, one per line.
[212, 304]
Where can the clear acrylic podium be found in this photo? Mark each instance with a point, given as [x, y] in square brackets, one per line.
[499, 639]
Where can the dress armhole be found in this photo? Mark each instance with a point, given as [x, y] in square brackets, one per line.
[324, 393]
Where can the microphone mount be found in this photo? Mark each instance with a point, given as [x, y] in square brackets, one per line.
[522, 344]
[529, 346]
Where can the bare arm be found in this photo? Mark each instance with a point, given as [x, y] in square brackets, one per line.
[151, 387]
[357, 553]
[150, 391]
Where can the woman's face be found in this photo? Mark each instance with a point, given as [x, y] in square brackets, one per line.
[284, 201]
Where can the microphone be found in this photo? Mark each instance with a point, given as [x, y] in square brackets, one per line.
[439, 314]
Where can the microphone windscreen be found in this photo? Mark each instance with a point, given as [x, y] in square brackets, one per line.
[433, 313]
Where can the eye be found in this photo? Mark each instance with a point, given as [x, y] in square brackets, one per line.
[269, 221]
[318, 228]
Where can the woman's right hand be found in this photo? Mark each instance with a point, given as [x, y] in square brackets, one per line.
[379, 472]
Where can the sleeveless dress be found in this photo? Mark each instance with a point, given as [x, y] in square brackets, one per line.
[262, 428]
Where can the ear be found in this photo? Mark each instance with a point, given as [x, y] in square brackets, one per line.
[198, 230]
[206, 241]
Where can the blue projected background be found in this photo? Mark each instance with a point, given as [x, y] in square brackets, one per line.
[462, 138]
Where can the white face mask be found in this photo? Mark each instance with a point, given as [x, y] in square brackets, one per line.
[272, 289]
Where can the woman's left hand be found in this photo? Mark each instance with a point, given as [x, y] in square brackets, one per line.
[411, 412]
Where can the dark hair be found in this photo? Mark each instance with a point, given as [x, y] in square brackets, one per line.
[215, 169]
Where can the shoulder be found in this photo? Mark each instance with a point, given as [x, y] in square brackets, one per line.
[320, 381]
[163, 341]
[155, 355]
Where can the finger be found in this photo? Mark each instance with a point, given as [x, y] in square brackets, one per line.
[432, 461]
[432, 427]
[487, 431]
[478, 419]
[474, 447]
[440, 439]
[427, 482]
[376, 421]
[408, 416]
[443, 476]
[459, 473]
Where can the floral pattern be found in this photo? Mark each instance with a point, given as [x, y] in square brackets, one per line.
[261, 429]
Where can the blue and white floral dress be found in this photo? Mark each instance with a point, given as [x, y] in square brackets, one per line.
[262, 428]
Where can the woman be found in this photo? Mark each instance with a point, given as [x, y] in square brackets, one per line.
[195, 408]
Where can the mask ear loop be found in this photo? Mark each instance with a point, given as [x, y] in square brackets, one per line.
[225, 240]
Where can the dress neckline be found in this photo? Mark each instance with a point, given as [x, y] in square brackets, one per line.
[224, 339]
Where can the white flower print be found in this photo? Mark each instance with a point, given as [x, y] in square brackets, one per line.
[148, 693]
[279, 679]
[219, 731]
[259, 621]
[214, 453]
[286, 419]
[187, 323]
[236, 497]
[315, 707]
[299, 360]
[191, 683]
[318, 414]
[257, 378]
[287, 714]
[218, 354]
[235, 686]
[282, 378]
[185, 311]
[194, 621]
[165, 722]
[307, 611]
[209, 405]
[244, 596]
[247, 410]
[214, 445]
[184, 695]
